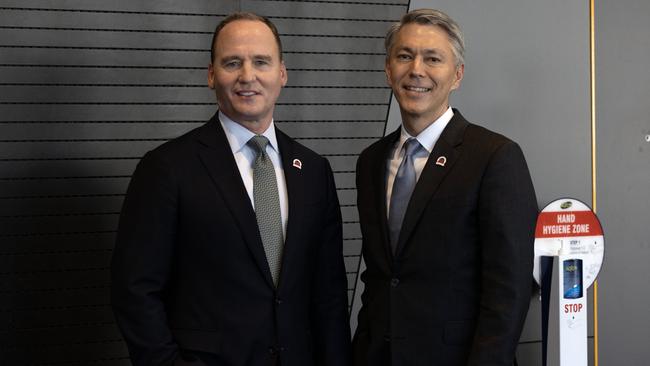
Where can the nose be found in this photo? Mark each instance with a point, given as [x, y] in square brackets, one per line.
[417, 68]
[247, 74]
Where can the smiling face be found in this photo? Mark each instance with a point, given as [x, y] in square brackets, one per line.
[247, 73]
[421, 69]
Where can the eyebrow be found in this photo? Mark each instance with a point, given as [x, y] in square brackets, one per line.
[228, 58]
[263, 57]
[256, 57]
[427, 51]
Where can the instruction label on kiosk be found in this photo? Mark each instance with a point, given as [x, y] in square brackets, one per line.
[568, 227]
[570, 232]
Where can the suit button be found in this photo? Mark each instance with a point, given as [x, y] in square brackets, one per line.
[272, 350]
[394, 282]
[278, 301]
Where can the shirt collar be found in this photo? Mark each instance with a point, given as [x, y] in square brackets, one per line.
[239, 135]
[430, 135]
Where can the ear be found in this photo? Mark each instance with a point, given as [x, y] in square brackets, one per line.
[387, 71]
[283, 73]
[460, 72]
[210, 76]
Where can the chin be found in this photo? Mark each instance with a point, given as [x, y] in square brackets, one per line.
[414, 112]
[248, 114]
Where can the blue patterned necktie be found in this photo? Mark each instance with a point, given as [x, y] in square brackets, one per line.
[403, 186]
[267, 205]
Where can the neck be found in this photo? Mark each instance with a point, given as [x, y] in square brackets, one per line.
[255, 126]
[415, 124]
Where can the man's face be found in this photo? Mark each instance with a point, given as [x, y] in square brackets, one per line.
[247, 73]
[421, 69]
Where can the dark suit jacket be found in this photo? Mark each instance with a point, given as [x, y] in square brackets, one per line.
[190, 280]
[457, 290]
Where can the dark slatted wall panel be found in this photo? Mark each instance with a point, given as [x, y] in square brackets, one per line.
[87, 87]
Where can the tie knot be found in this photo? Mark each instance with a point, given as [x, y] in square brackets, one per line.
[258, 143]
[411, 146]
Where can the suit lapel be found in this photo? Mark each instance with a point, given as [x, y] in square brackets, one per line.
[218, 160]
[380, 174]
[447, 146]
[295, 195]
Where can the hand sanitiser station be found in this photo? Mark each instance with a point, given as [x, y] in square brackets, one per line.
[569, 251]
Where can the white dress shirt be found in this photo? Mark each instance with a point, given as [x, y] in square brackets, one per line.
[427, 139]
[238, 137]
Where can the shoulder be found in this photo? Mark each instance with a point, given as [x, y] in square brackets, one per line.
[379, 148]
[479, 145]
[485, 136]
[176, 156]
[485, 141]
[179, 147]
[490, 151]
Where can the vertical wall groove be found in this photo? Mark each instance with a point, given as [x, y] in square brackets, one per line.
[594, 165]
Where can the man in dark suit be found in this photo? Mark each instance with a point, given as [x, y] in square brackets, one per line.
[229, 248]
[447, 212]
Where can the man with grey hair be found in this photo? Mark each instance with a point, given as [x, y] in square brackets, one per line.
[447, 212]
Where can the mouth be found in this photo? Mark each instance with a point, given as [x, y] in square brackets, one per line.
[417, 89]
[246, 93]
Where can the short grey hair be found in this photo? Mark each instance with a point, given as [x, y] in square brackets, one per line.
[435, 18]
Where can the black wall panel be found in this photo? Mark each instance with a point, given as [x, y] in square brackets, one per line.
[87, 87]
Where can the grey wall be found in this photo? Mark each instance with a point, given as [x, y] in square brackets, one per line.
[623, 110]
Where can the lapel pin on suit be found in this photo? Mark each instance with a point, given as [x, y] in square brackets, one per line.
[297, 163]
[441, 161]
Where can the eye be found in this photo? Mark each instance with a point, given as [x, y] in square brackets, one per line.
[261, 62]
[433, 59]
[403, 57]
[231, 64]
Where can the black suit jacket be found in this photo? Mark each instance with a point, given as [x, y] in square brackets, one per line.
[190, 280]
[457, 290]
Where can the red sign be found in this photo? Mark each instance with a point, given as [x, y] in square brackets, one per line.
[557, 224]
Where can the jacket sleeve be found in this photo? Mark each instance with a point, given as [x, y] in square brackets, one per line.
[361, 341]
[507, 215]
[141, 263]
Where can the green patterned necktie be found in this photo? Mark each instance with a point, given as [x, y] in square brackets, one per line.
[267, 205]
